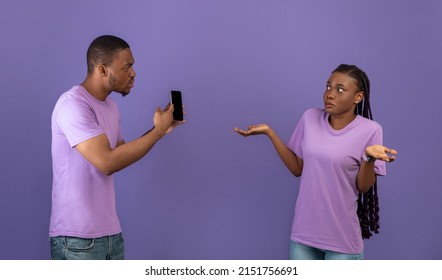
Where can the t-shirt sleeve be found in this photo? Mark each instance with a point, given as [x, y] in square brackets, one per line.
[376, 139]
[295, 142]
[77, 120]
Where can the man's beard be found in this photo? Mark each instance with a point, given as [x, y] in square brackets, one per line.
[113, 88]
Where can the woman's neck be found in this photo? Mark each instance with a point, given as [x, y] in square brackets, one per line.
[338, 122]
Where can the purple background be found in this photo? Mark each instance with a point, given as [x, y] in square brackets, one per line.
[204, 192]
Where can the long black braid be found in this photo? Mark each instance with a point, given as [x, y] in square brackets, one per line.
[368, 203]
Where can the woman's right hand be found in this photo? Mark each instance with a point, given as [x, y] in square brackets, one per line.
[254, 130]
[290, 159]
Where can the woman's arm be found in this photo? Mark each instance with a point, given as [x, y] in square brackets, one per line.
[290, 159]
[366, 175]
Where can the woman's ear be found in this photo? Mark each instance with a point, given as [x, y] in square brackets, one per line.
[359, 97]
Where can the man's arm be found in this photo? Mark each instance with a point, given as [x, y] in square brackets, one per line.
[98, 152]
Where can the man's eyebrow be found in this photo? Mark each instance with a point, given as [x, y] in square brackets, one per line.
[128, 64]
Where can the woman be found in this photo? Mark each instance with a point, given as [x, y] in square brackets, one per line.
[338, 152]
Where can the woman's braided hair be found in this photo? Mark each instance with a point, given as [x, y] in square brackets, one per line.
[368, 203]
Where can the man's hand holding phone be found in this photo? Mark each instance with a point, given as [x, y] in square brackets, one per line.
[177, 101]
[165, 120]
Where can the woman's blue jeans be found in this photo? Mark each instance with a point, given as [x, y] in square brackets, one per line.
[302, 252]
[73, 248]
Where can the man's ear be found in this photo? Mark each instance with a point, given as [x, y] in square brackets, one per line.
[102, 70]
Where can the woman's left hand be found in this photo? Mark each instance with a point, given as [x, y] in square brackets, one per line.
[381, 153]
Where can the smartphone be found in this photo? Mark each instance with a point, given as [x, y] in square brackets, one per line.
[176, 99]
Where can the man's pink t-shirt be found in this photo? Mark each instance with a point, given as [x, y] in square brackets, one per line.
[83, 198]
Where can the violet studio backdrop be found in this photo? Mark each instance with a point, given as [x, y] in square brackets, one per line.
[204, 192]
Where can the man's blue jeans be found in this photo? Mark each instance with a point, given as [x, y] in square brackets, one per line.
[73, 248]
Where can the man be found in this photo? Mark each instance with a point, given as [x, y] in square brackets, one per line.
[87, 148]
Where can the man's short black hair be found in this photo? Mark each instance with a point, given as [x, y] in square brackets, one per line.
[103, 49]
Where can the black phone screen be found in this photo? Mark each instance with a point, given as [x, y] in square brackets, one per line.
[177, 102]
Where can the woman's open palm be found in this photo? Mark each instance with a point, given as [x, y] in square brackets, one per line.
[253, 130]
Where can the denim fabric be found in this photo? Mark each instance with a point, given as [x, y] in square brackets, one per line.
[74, 248]
[303, 252]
